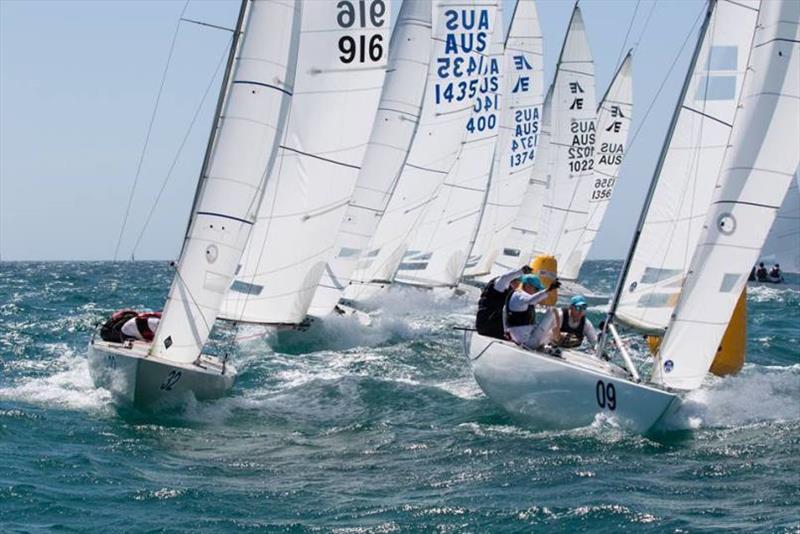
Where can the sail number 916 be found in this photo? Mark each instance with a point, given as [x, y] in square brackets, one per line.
[361, 13]
[606, 395]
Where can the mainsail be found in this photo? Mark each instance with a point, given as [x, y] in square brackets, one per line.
[443, 237]
[517, 138]
[241, 152]
[573, 122]
[462, 32]
[783, 241]
[340, 71]
[392, 133]
[690, 167]
[758, 169]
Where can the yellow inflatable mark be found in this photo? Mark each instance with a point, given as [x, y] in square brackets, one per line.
[653, 343]
[546, 268]
[730, 355]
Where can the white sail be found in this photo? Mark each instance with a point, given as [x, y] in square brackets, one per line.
[517, 138]
[783, 240]
[392, 133]
[690, 168]
[340, 71]
[443, 237]
[517, 246]
[439, 135]
[757, 171]
[232, 186]
[573, 123]
[613, 123]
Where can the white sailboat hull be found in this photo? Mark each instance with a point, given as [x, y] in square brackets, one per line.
[570, 288]
[567, 392]
[136, 379]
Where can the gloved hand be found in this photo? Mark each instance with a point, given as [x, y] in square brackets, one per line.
[555, 284]
[526, 269]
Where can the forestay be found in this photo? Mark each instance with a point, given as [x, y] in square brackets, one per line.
[613, 123]
[783, 240]
[517, 138]
[459, 35]
[442, 239]
[392, 133]
[517, 246]
[757, 171]
[340, 72]
[566, 204]
[690, 168]
[231, 186]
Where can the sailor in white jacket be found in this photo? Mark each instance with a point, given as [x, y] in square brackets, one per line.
[520, 313]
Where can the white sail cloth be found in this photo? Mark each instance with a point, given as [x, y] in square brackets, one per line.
[437, 141]
[758, 169]
[231, 189]
[690, 168]
[340, 72]
[517, 138]
[443, 237]
[392, 134]
[613, 123]
[573, 123]
[783, 242]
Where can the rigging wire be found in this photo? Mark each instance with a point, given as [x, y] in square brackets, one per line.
[628, 33]
[174, 163]
[149, 131]
[646, 22]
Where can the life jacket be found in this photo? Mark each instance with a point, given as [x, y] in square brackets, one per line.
[143, 327]
[489, 319]
[571, 337]
[112, 328]
[761, 274]
[519, 318]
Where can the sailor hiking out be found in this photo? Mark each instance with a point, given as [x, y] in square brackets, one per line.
[572, 326]
[489, 319]
[124, 325]
[520, 312]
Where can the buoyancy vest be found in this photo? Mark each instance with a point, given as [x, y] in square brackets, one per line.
[571, 337]
[761, 274]
[112, 328]
[489, 319]
[143, 327]
[519, 318]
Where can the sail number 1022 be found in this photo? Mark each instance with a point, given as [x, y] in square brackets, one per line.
[361, 14]
[606, 395]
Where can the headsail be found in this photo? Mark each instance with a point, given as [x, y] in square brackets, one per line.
[573, 123]
[690, 167]
[340, 71]
[758, 169]
[517, 138]
[241, 154]
[783, 241]
[392, 134]
[443, 237]
[438, 139]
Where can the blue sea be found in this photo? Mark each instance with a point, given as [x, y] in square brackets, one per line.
[379, 428]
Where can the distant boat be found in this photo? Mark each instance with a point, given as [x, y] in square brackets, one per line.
[751, 179]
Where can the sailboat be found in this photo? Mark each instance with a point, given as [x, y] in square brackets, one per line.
[758, 163]
[251, 111]
[783, 242]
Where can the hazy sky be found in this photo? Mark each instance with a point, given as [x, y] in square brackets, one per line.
[78, 81]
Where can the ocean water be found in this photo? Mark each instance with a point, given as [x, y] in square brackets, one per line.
[370, 429]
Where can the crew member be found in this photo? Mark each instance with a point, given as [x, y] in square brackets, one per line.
[775, 274]
[572, 325]
[752, 276]
[520, 312]
[142, 327]
[489, 319]
[761, 272]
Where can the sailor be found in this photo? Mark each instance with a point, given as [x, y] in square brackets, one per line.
[489, 319]
[142, 327]
[752, 276]
[761, 272]
[520, 312]
[775, 274]
[572, 326]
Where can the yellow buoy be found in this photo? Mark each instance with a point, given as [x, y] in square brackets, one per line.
[546, 268]
[730, 354]
[653, 343]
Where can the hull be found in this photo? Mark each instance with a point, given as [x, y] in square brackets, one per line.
[146, 381]
[571, 288]
[566, 392]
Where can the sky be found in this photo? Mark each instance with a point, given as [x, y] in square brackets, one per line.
[78, 85]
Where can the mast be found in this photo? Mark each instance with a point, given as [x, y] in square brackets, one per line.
[654, 181]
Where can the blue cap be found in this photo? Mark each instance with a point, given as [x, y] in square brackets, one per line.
[578, 302]
[531, 279]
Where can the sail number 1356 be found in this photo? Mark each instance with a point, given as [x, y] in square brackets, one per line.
[361, 14]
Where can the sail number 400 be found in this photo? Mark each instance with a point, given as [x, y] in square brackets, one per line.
[356, 12]
[606, 395]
